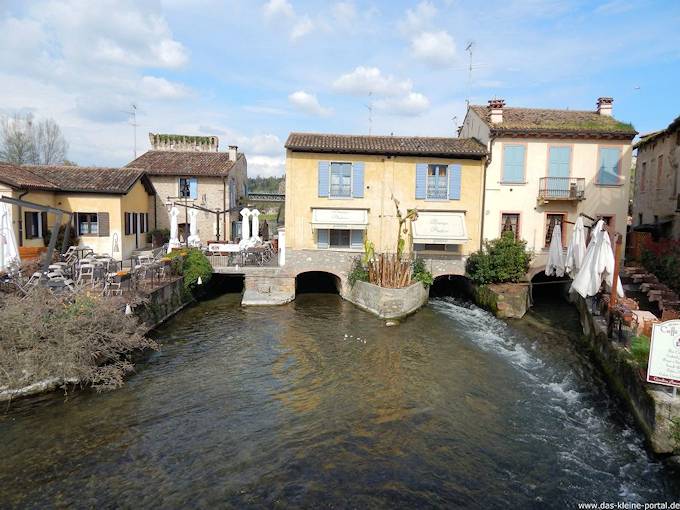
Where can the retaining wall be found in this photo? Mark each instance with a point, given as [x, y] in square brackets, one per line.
[387, 303]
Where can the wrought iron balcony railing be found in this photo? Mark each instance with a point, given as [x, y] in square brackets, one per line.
[561, 188]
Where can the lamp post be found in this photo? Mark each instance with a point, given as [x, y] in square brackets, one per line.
[185, 193]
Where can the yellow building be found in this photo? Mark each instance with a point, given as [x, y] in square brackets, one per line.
[340, 189]
[110, 206]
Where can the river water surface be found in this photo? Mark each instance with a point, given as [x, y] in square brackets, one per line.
[318, 404]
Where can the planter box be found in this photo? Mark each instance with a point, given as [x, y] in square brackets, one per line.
[388, 303]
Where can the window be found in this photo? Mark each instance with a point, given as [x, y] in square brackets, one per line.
[142, 223]
[552, 220]
[188, 188]
[510, 223]
[609, 166]
[659, 172]
[643, 177]
[513, 163]
[437, 182]
[341, 180]
[88, 224]
[35, 224]
[339, 238]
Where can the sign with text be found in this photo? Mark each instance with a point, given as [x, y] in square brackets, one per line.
[664, 354]
[339, 218]
[440, 227]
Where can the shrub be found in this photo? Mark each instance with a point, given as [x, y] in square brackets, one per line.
[662, 258]
[159, 236]
[84, 338]
[359, 272]
[421, 273]
[639, 350]
[191, 264]
[505, 259]
[72, 237]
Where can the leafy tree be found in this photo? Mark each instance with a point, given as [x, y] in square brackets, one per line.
[265, 184]
[24, 141]
[505, 259]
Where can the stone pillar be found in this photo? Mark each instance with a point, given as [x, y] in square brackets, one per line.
[282, 246]
[245, 224]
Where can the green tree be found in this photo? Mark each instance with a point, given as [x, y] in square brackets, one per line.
[505, 259]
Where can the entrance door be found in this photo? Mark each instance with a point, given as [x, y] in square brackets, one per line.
[559, 171]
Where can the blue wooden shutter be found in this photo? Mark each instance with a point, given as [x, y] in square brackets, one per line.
[324, 178]
[513, 163]
[421, 178]
[356, 239]
[358, 179]
[559, 162]
[609, 166]
[454, 182]
[322, 238]
[193, 188]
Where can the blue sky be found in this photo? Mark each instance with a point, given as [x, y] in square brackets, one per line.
[251, 72]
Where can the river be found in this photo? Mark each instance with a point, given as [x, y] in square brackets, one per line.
[318, 404]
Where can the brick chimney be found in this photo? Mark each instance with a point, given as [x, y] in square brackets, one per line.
[164, 142]
[604, 106]
[233, 149]
[496, 110]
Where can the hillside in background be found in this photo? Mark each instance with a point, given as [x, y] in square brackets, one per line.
[266, 184]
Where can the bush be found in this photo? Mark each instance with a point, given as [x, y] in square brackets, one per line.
[662, 258]
[359, 272]
[420, 272]
[639, 350]
[191, 264]
[159, 236]
[505, 259]
[80, 338]
[72, 238]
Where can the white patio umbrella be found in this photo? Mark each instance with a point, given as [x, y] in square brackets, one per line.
[245, 224]
[174, 229]
[576, 251]
[255, 215]
[598, 265]
[555, 265]
[9, 252]
[194, 239]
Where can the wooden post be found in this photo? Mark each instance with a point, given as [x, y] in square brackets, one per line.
[617, 257]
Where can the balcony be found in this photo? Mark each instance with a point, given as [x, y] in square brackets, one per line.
[565, 189]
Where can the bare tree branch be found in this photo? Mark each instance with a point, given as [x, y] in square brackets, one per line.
[22, 141]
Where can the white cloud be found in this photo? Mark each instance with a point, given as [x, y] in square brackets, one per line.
[414, 103]
[344, 12]
[275, 8]
[418, 19]
[302, 27]
[160, 88]
[308, 103]
[363, 80]
[266, 166]
[261, 145]
[435, 48]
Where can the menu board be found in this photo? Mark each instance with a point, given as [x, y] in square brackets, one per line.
[664, 354]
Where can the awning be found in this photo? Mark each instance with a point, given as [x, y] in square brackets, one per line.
[340, 219]
[440, 228]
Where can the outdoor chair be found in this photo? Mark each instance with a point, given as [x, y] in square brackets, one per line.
[86, 273]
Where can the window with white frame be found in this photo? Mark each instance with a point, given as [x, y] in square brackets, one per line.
[341, 180]
[437, 182]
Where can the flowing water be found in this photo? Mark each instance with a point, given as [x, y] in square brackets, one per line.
[318, 404]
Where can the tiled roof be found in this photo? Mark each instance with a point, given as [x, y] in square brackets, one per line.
[650, 137]
[385, 145]
[184, 163]
[70, 178]
[539, 121]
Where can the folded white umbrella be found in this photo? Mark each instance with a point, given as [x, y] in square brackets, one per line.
[174, 229]
[555, 265]
[576, 251]
[9, 251]
[245, 223]
[598, 265]
[194, 239]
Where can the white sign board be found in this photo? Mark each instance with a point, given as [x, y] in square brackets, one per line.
[440, 228]
[340, 218]
[664, 354]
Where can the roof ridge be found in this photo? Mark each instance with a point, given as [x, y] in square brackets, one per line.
[376, 136]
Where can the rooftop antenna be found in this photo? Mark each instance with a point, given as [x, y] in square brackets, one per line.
[455, 122]
[369, 106]
[133, 116]
[468, 48]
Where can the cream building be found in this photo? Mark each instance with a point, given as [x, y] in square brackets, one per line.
[189, 170]
[548, 166]
[110, 206]
[340, 191]
[656, 203]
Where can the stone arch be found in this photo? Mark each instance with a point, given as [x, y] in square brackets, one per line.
[322, 281]
[456, 285]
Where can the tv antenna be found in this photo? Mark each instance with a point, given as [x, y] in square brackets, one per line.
[369, 107]
[133, 122]
[468, 48]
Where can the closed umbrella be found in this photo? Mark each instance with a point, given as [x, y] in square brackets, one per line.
[194, 239]
[255, 214]
[9, 252]
[245, 224]
[555, 265]
[576, 251]
[174, 229]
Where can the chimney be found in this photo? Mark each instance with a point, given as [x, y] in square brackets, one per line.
[604, 106]
[232, 152]
[496, 110]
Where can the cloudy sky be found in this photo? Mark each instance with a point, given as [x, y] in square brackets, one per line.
[251, 72]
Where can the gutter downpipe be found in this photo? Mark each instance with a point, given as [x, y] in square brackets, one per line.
[20, 219]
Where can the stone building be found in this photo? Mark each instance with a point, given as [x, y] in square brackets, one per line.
[548, 166]
[656, 202]
[190, 170]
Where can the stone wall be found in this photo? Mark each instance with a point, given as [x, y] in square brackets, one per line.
[388, 303]
[268, 290]
[504, 300]
[162, 303]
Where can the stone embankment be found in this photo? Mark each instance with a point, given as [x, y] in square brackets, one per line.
[387, 303]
